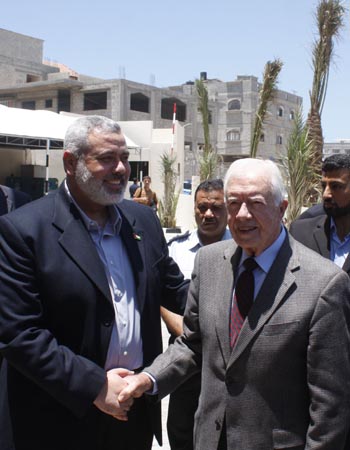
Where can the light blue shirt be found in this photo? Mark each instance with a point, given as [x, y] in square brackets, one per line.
[125, 346]
[265, 261]
[183, 251]
[339, 249]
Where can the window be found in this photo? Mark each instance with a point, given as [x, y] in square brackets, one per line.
[32, 78]
[280, 112]
[262, 137]
[291, 115]
[233, 135]
[167, 109]
[139, 102]
[279, 140]
[48, 103]
[234, 105]
[29, 104]
[95, 100]
[63, 100]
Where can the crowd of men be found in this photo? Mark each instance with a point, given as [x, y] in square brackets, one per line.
[259, 357]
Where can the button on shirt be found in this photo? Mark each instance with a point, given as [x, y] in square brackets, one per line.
[339, 249]
[183, 251]
[125, 347]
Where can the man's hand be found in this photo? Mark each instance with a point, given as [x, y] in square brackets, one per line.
[136, 386]
[107, 399]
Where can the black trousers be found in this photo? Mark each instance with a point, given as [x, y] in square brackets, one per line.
[183, 404]
[135, 434]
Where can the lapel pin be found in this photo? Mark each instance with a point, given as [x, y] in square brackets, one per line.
[136, 236]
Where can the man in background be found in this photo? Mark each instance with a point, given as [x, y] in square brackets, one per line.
[133, 187]
[329, 234]
[211, 219]
[11, 199]
[144, 194]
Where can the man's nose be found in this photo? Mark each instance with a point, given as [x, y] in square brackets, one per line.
[327, 193]
[119, 167]
[243, 211]
[208, 213]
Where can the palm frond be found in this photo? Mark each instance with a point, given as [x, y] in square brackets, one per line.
[329, 16]
[271, 72]
[167, 207]
[300, 174]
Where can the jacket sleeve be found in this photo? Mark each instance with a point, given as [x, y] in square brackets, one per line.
[328, 367]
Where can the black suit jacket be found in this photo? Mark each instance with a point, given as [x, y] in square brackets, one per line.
[56, 317]
[20, 199]
[315, 234]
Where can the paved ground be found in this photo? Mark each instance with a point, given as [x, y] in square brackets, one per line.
[164, 403]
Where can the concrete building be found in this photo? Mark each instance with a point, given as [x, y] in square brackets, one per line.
[27, 82]
[341, 146]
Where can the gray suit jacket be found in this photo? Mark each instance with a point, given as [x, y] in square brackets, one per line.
[286, 383]
[315, 234]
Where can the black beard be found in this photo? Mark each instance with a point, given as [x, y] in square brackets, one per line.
[336, 211]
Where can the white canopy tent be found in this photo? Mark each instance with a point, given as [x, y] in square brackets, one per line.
[38, 129]
[38, 124]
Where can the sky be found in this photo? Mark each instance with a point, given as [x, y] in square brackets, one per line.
[168, 43]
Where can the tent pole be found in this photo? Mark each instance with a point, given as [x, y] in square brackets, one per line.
[47, 167]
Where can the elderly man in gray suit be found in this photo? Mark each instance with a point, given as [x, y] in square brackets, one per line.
[275, 367]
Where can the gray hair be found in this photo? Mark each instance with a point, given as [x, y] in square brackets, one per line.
[76, 140]
[270, 171]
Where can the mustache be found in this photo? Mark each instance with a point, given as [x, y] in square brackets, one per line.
[329, 203]
[209, 220]
[115, 177]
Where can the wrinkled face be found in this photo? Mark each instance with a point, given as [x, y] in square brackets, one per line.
[336, 192]
[211, 215]
[103, 171]
[253, 217]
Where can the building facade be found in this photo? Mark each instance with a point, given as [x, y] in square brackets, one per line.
[27, 82]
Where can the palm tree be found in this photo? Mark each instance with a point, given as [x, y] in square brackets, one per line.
[208, 161]
[300, 174]
[167, 208]
[330, 20]
[271, 72]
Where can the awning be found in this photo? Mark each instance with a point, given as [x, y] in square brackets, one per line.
[32, 129]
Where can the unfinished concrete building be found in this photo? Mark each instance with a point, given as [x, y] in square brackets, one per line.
[28, 82]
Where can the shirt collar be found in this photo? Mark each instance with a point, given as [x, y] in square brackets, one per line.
[113, 224]
[267, 257]
[334, 234]
[194, 243]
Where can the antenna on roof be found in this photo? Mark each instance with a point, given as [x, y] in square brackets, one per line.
[122, 72]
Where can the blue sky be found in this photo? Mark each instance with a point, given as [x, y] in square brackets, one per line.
[172, 42]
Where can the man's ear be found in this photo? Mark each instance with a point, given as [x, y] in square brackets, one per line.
[69, 163]
[283, 207]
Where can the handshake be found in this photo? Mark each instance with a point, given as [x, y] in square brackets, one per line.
[121, 387]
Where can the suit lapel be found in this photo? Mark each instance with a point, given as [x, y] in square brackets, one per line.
[321, 236]
[225, 280]
[277, 283]
[76, 241]
[134, 241]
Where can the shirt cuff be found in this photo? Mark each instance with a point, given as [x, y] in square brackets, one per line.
[154, 390]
